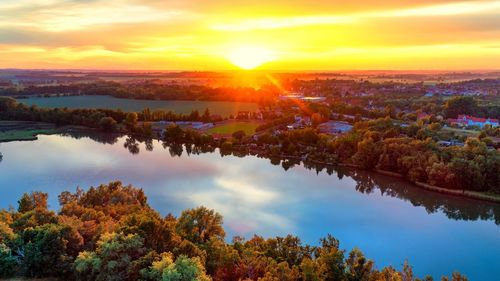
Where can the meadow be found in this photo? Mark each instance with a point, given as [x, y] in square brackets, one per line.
[230, 127]
[222, 108]
[19, 130]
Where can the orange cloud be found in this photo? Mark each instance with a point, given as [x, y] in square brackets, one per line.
[200, 35]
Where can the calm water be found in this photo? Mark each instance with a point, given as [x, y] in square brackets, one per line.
[389, 220]
[185, 107]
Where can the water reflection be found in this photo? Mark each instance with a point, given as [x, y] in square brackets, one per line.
[389, 219]
[366, 182]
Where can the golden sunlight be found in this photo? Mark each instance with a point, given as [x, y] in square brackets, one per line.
[250, 57]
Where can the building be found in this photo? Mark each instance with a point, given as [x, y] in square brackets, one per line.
[467, 120]
[334, 127]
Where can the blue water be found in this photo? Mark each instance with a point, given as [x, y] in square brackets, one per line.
[388, 219]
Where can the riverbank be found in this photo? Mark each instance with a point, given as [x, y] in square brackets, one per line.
[28, 130]
[25, 131]
[495, 198]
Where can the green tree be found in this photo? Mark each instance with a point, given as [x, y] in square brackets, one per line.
[131, 121]
[460, 105]
[368, 153]
[107, 124]
[199, 225]
[239, 135]
[34, 200]
[8, 262]
[48, 250]
[183, 269]
[113, 259]
[206, 116]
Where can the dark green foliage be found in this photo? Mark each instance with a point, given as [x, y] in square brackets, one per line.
[47, 250]
[8, 262]
[460, 105]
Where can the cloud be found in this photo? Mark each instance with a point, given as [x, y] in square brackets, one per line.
[56, 16]
[196, 34]
[447, 9]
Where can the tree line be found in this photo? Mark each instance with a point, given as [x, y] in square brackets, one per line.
[150, 90]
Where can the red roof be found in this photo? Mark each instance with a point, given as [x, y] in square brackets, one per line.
[476, 119]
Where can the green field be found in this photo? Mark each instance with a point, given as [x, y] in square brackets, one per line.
[22, 134]
[23, 130]
[460, 132]
[229, 128]
[183, 107]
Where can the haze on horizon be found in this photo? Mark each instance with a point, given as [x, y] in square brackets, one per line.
[224, 35]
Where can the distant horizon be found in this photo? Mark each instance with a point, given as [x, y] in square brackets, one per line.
[257, 70]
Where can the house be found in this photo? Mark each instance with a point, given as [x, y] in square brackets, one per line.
[467, 120]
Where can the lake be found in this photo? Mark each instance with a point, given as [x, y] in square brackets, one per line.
[223, 108]
[388, 219]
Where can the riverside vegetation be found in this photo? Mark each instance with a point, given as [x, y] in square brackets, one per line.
[110, 232]
[381, 144]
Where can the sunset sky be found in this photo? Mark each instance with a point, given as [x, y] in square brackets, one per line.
[279, 34]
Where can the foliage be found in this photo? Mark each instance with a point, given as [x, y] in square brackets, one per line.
[109, 232]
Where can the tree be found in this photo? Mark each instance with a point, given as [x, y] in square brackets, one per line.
[199, 225]
[8, 262]
[131, 120]
[35, 200]
[183, 269]
[368, 153]
[7, 103]
[316, 119]
[107, 124]
[173, 132]
[358, 267]
[460, 105]
[113, 258]
[206, 116]
[48, 249]
[239, 135]
[330, 260]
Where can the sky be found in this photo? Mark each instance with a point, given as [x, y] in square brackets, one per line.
[266, 34]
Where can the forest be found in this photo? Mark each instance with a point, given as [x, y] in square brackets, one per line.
[109, 232]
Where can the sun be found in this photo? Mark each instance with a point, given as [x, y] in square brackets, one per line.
[250, 57]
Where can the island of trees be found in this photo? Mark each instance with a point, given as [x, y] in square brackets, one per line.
[110, 232]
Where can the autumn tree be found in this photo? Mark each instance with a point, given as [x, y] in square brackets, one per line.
[199, 225]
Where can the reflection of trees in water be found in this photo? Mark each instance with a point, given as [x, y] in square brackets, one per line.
[101, 137]
[132, 145]
[453, 207]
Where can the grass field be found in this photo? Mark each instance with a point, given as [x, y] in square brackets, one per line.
[22, 135]
[229, 128]
[185, 107]
[21, 130]
[460, 132]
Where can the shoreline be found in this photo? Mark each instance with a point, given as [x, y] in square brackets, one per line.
[476, 195]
